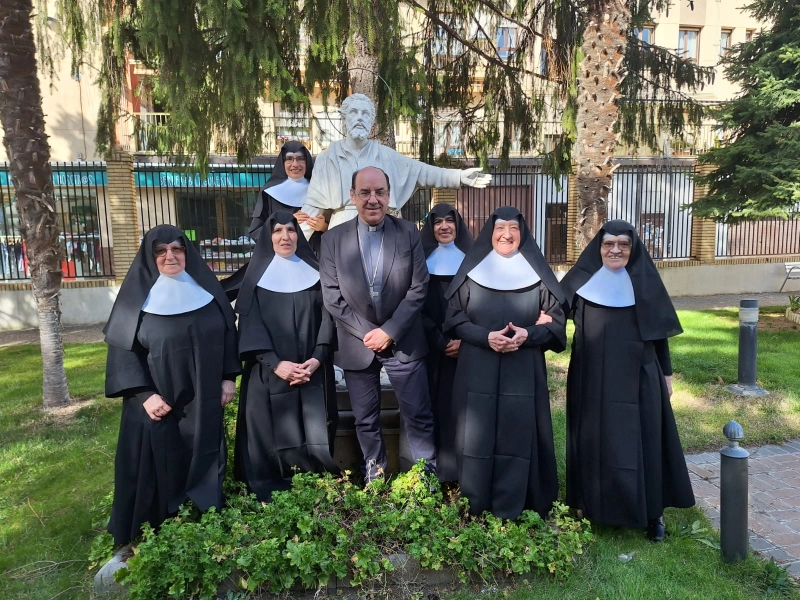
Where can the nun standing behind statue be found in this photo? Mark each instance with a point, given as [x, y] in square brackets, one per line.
[624, 458]
[287, 406]
[286, 190]
[505, 306]
[445, 241]
[172, 358]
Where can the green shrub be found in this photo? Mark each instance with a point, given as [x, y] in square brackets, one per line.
[327, 527]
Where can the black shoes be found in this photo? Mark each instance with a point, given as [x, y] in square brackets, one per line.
[656, 530]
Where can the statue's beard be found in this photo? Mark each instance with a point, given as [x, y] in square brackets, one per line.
[358, 132]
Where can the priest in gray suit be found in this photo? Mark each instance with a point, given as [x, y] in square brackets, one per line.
[333, 168]
[374, 282]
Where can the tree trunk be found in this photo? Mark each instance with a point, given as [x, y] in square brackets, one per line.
[599, 78]
[29, 154]
[364, 68]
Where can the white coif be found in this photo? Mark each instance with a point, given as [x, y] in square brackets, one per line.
[291, 192]
[609, 288]
[175, 295]
[445, 260]
[288, 275]
[504, 273]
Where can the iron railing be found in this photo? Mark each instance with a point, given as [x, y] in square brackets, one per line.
[765, 237]
[82, 210]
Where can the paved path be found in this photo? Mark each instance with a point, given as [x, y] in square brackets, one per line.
[774, 499]
[728, 301]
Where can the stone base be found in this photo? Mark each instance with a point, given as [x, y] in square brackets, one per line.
[792, 316]
[104, 584]
[747, 390]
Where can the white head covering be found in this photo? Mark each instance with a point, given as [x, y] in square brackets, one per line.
[504, 273]
[175, 295]
[288, 275]
[445, 260]
[609, 288]
[291, 192]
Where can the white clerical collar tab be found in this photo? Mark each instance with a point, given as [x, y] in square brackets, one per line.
[609, 288]
[288, 275]
[291, 192]
[445, 260]
[175, 295]
[504, 273]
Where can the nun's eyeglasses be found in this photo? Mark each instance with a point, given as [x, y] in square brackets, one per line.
[160, 251]
[622, 245]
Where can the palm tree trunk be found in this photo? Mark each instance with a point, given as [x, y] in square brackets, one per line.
[29, 153]
[599, 78]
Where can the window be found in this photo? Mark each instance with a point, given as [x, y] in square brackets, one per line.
[444, 47]
[748, 36]
[725, 41]
[688, 43]
[645, 34]
[544, 65]
[506, 41]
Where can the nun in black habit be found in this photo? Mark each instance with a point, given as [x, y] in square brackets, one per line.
[445, 241]
[287, 407]
[505, 306]
[624, 458]
[172, 358]
[286, 190]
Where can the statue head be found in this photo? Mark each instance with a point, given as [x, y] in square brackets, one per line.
[359, 116]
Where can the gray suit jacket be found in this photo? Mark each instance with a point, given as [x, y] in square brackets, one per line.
[403, 288]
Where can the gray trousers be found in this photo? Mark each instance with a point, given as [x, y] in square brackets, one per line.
[410, 384]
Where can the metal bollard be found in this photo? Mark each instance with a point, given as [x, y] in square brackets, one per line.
[748, 350]
[733, 495]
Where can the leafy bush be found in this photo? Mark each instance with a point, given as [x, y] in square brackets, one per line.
[325, 528]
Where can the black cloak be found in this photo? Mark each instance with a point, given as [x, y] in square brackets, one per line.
[266, 204]
[504, 445]
[441, 368]
[184, 358]
[625, 463]
[282, 427]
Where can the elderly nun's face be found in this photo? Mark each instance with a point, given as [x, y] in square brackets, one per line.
[284, 239]
[615, 250]
[170, 257]
[444, 229]
[505, 237]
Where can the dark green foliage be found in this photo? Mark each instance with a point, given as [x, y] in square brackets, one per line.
[757, 174]
[327, 528]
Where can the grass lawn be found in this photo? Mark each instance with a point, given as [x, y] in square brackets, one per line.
[56, 471]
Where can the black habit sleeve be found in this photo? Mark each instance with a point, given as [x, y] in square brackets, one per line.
[254, 338]
[127, 373]
[326, 338]
[458, 320]
[662, 354]
[231, 367]
[552, 336]
[433, 333]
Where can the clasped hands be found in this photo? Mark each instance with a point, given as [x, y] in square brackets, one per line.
[156, 408]
[317, 223]
[500, 342]
[296, 373]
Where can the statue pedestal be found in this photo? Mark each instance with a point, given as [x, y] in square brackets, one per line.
[347, 452]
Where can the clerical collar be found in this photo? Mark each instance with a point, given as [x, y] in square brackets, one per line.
[609, 288]
[504, 273]
[175, 295]
[288, 275]
[371, 228]
[445, 259]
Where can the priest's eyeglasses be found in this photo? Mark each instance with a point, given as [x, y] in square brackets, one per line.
[609, 245]
[365, 194]
[160, 251]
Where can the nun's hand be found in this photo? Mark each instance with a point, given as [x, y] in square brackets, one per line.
[228, 390]
[311, 365]
[155, 407]
[452, 347]
[291, 372]
[377, 340]
[544, 318]
[668, 381]
[499, 342]
[520, 335]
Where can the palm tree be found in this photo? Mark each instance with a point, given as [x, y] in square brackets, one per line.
[29, 154]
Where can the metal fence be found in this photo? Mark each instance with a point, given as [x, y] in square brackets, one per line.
[81, 207]
[213, 210]
[766, 237]
[542, 203]
[650, 194]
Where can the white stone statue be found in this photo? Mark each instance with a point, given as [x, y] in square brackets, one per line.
[333, 169]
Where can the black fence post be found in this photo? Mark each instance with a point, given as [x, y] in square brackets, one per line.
[733, 495]
[748, 350]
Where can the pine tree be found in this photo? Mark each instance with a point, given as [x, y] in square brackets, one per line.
[756, 173]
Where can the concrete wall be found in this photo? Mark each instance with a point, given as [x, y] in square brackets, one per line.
[79, 306]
